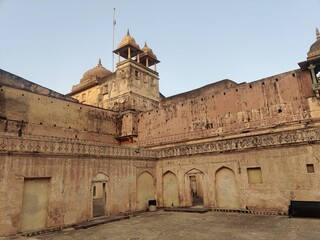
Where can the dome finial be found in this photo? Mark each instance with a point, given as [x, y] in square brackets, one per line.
[99, 63]
[145, 44]
[128, 32]
[317, 33]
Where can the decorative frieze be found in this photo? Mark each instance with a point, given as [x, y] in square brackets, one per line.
[76, 147]
[244, 143]
[69, 147]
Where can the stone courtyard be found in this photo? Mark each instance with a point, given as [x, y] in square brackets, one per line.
[210, 225]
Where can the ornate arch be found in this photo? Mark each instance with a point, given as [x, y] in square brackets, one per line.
[100, 177]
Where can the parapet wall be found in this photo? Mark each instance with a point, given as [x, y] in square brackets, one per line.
[268, 103]
[27, 113]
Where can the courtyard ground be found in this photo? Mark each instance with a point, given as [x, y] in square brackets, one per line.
[177, 225]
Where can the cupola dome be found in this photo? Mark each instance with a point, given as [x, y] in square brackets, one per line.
[147, 57]
[97, 72]
[128, 40]
[314, 51]
[147, 50]
[128, 48]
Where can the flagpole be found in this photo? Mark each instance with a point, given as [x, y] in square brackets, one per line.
[113, 28]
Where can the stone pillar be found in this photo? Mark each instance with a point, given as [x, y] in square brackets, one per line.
[129, 53]
[313, 75]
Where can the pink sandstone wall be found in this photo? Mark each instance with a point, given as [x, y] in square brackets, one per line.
[35, 114]
[284, 176]
[70, 189]
[270, 102]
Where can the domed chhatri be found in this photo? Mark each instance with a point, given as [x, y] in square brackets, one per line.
[147, 57]
[128, 40]
[128, 48]
[148, 50]
[314, 51]
[97, 72]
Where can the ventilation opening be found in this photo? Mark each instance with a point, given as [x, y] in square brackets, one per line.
[310, 168]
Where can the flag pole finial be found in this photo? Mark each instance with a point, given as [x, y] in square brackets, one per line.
[113, 30]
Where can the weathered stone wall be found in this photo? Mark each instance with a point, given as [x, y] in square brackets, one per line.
[134, 77]
[27, 113]
[268, 103]
[70, 166]
[283, 170]
[91, 96]
[14, 81]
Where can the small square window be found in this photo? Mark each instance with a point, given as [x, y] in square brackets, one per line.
[254, 175]
[310, 168]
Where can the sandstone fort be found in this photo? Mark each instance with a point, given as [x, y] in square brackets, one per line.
[115, 142]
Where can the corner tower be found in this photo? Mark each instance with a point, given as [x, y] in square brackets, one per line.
[136, 85]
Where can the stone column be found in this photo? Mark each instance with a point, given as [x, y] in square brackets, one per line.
[313, 75]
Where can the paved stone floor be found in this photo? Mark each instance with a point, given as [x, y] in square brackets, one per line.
[210, 225]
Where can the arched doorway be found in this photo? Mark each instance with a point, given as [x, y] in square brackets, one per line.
[194, 186]
[99, 195]
[145, 190]
[170, 190]
[227, 194]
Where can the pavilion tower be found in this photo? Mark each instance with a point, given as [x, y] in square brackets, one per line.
[313, 64]
[136, 86]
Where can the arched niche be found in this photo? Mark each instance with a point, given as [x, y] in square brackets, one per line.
[170, 190]
[227, 193]
[146, 190]
[100, 177]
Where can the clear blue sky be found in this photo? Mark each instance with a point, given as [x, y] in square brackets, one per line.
[53, 42]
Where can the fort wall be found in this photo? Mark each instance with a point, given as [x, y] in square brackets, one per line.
[248, 107]
[69, 167]
[283, 175]
[28, 113]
